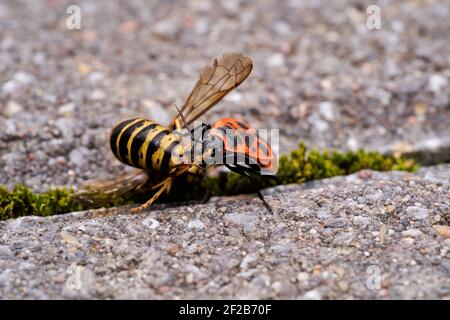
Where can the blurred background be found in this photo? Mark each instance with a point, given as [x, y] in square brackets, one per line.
[320, 76]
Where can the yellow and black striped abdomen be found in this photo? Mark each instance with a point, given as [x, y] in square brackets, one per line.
[143, 144]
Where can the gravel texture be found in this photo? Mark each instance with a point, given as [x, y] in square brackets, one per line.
[324, 241]
[320, 75]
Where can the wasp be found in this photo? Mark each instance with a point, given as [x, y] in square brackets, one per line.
[157, 151]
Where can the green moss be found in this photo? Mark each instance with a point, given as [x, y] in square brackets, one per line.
[299, 166]
[22, 202]
[302, 165]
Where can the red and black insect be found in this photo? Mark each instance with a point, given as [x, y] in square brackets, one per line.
[236, 145]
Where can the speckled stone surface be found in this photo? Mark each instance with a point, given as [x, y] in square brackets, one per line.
[320, 75]
[366, 236]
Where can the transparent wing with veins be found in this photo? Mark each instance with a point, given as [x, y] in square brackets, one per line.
[215, 82]
[95, 193]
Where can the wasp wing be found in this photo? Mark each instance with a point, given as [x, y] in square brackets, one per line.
[96, 193]
[227, 72]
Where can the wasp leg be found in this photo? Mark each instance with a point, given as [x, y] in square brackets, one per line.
[165, 185]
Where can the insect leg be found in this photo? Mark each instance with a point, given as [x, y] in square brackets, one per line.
[260, 196]
[165, 185]
[255, 186]
[266, 204]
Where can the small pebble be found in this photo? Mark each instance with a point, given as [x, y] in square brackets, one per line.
[196, 224]
[249, 261]
[12, 108]
[276, 60]
[151, 223]
[412, 233]
[443, 230]
[417, 212]
[437, 82]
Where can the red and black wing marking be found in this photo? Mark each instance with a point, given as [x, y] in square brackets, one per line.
[242, 143]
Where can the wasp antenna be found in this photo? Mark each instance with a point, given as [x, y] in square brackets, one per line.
[184, 120]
